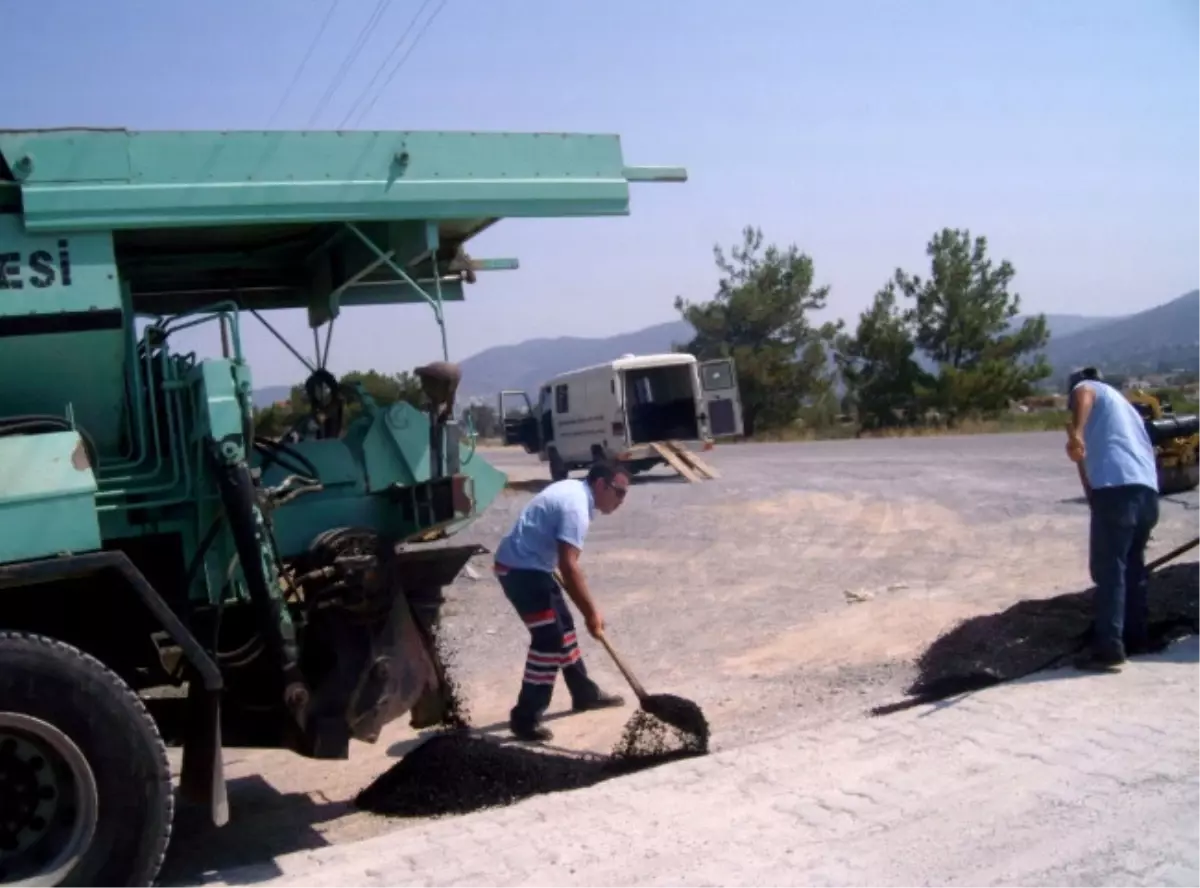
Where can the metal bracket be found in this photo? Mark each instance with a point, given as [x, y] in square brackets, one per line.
[435, 301]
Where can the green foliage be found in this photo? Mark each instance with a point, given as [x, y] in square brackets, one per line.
[482, 420]
[272, 421]
[759, 317]
[961, 318]
[385, 389]
[884, 382]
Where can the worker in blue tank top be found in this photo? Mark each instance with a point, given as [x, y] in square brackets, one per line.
[1107, 440]
[549, 534]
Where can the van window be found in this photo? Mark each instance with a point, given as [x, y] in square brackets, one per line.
[560, 398]
[642, 392]
[716, 375]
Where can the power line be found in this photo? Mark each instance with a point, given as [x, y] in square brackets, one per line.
[307, 55]
[395, 46]
[363, 35]
[429, 21]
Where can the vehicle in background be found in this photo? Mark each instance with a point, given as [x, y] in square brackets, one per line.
[630, 410]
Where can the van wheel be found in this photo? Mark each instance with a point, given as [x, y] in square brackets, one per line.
[558, 469]
[87, 789]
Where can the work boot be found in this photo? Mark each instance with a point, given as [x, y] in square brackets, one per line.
[1095, 661]
[531, 733]
[600, 701]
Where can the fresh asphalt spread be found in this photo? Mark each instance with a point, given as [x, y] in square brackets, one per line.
[1038, 634]
[457, 771]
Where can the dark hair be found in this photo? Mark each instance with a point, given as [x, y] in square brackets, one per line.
[1080, 374]
[605, 470]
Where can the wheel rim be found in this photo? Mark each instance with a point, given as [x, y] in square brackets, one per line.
[48, 802]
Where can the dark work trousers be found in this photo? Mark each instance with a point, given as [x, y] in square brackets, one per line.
[539, 601]
[1122, 519]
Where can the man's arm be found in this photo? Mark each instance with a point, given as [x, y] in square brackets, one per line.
[572, 528]
[576, 585]
[1082, 400]
[1081, 409]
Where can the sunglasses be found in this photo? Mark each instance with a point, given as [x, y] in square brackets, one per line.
[619, 491]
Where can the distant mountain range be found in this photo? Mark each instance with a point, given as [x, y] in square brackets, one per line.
[526, 365]
[1160, 338]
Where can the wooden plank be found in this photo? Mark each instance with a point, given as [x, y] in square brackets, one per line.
[694, 461]
[665, 451]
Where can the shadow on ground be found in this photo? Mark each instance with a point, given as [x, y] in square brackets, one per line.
[401, 748]
[1036, 635]
[537, 485]
[200, 852]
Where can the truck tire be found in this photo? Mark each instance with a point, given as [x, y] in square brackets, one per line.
[94, 801]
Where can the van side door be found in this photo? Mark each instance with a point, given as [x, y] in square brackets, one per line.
[620, 417]
[520, 427]
[545, 414]
[722, 402]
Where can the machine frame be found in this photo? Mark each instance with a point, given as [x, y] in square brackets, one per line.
[206, 586]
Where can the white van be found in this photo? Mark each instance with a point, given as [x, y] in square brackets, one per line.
[618, 409]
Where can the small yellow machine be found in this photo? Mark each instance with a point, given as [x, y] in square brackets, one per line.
[1176, 442]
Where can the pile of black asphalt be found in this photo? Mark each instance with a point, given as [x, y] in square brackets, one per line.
[1040, 634]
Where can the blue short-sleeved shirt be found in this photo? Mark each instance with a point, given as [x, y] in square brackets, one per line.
[562, 511]
[1118, 448]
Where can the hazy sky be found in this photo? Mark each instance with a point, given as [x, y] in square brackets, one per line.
[1065, 131]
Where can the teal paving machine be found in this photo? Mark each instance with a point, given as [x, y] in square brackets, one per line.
[154, 548]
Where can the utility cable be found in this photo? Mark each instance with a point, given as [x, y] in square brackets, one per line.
[307, 55]
[363, 35]
[416, 40]
[386, 60]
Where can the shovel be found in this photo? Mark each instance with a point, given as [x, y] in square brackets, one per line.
[678, 712]
[1171, 556]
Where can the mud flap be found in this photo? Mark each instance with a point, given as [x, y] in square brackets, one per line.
[401, 672]
[433, 706]
[202, 774]
[406, 674]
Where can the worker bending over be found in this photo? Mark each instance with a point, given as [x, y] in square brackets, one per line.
[1107, 440]
[549, 534]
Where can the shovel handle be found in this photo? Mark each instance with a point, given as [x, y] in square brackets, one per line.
[625, 670]
[1172, 555]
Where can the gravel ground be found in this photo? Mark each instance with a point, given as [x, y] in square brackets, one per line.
[1063, 778]
[798, 588]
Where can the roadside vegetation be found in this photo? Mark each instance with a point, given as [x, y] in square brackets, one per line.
[385, 389]
[796, 376]
[934, 353]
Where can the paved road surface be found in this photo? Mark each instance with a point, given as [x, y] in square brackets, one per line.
[794, 591]
[1064, 780]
